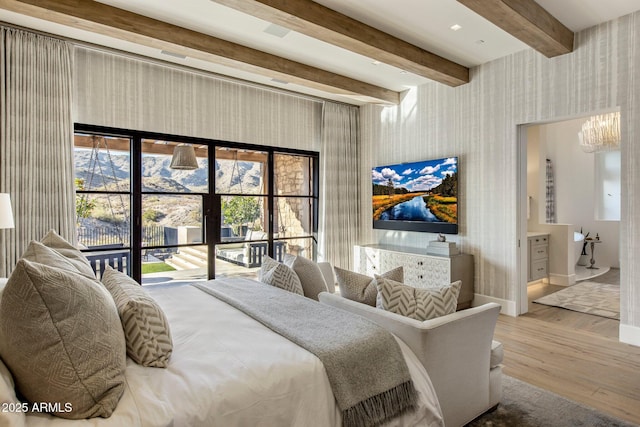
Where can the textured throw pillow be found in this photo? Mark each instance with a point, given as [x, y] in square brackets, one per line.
[55, 241]
[361, 288]
[279, 275]
[61, 337]
[417, 303]
[41, 254]
[146, 328]
[309, 274]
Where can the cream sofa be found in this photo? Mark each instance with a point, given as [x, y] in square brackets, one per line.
[457, 350]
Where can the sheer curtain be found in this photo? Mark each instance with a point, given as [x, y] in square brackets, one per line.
[36, 139]
[340, 184]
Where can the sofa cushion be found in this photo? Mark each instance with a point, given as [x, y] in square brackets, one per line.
[497, 353]
[54, 241]
[279, 275]
[309, 273]
[61, 337]
[146, 328]
[362, 288]
[417, 303]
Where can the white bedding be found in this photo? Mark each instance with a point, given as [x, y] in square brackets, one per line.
[229, 370]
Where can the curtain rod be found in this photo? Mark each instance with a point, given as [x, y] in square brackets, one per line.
[181, 67]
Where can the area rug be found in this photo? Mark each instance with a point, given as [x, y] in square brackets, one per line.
[524, 405]
[600, 299]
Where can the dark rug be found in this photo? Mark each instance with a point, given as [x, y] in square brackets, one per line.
[524, 405]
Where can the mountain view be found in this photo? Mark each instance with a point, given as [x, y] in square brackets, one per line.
[109, 213]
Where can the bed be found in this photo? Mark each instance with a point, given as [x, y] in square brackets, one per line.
[227, 369]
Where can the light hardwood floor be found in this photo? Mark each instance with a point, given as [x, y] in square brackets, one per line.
[575, 355]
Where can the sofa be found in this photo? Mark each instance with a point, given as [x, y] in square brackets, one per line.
[457, 350]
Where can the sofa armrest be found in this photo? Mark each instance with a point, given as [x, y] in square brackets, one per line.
[455, 350]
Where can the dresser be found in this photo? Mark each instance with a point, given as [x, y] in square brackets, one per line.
[421, 270]
[538, 256]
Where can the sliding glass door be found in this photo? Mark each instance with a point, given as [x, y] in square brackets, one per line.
[181, 209]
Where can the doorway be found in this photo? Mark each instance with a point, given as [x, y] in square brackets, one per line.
[587, 197]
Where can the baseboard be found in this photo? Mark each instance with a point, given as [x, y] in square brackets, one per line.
[508, 307]
[562, 279]
[630, 334]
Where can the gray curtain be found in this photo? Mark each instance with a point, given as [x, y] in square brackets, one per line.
[36, 140]
[340, 184]
[550, 194]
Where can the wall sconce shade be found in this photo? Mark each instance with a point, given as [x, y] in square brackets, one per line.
[6, 214]
[184, 157]
[600, 133]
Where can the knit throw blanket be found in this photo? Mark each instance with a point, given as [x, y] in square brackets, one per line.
[364, 364]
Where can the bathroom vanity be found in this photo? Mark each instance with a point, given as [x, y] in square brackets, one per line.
[537, 256]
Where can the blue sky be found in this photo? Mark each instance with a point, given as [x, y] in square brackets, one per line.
[416, 176]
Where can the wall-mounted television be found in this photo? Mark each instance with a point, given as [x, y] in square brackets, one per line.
[417, 196]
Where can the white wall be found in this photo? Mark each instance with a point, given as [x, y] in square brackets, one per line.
[576, 190]
[478, 122]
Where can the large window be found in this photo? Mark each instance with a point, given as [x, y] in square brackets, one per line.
[173, 217]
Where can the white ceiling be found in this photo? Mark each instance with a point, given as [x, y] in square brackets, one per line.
[424, 23]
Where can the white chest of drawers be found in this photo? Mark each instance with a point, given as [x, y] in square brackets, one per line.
[420, 269]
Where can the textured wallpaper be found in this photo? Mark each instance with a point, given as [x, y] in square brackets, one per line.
[479, 123]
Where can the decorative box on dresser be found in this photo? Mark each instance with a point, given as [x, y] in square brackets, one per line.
[421, 269]
[538, 256]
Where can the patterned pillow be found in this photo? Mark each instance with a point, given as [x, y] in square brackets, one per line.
[417, 303]
[146, 328]
[37, 252]
[309, 274]
[361, 288]
[279, 275]
[54, 241]
[61, 337]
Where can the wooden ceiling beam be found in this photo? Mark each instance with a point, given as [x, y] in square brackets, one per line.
[124, 25]
[317, 21]
[527, 21]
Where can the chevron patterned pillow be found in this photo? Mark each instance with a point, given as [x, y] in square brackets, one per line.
[146, 328]
[279, 275]
[362, 288]
[417, 303]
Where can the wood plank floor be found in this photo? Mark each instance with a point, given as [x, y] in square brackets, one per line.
[575, 355]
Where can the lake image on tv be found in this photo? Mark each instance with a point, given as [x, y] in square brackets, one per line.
[425, 191]
[412, 210]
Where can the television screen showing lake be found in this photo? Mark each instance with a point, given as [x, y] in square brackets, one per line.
[412, 210]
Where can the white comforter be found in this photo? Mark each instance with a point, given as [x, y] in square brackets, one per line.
[229, 370]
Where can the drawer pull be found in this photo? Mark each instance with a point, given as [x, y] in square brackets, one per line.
[420, 263]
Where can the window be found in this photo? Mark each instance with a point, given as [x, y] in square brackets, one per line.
[167, 223]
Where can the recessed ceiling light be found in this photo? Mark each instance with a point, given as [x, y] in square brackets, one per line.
[479, 41]
[403, 72]
[175, 55]
[282, 82]
[455, 27]
[376, 62]
[277, 30]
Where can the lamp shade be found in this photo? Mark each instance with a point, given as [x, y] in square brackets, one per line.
[6, 214]
[184, 157]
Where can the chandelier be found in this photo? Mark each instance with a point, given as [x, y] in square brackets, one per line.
[600, 133]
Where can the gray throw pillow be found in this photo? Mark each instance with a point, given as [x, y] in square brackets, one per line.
[309, 274]
[54, 241]
[146, 328]
[38, 252]
[417, 303]
[362, 288]
[279, 275]
[61, 338]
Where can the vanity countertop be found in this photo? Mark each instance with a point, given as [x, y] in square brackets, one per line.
[536, 233]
